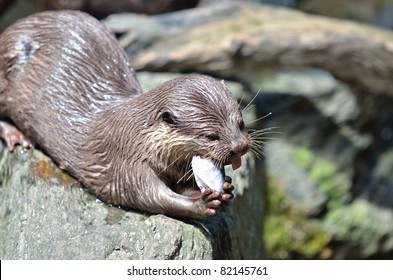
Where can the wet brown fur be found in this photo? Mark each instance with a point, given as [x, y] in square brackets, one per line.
[68, 86]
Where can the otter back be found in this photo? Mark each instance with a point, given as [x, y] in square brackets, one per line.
[60, 69]
[67, 85]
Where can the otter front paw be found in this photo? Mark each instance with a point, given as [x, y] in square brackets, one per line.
[210, 202]
[213, 200]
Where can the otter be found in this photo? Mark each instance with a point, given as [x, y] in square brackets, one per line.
[67, 86]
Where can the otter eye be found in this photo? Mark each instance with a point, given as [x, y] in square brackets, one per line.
[168, 117]
[211, 137]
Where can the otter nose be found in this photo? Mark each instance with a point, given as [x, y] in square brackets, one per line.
[239, 149]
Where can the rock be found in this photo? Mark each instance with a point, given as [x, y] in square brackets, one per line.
[139, 31]
[301, 190]
[313, 100]
[319, 87]
[312, 166]
[286, 3]
[365, 228]
[380, 188]
[102, 8]
[260, 37]
[45, 214]
[247, 211]
[362, 11]
[377, 12]
[385, 16]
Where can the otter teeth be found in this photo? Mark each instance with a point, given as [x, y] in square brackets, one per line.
[207, 174]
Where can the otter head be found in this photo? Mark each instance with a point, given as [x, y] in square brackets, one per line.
[196, 116]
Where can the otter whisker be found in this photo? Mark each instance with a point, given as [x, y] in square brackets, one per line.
[264, 135]
[257, 134]
[261, 118]
[219, 161]
[241, 99]
[247, 107]
[259, 138]
[189, 177]
[250, 107]
[187, 173]
[188, 168]
[258, 153]
[171, 164]
[264, 130]
[263, 138]
[257, 148]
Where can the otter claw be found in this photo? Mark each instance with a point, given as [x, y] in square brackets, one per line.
[213, 200]
[228, 179]
[228, 188]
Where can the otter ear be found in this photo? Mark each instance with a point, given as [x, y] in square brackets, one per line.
[168, 117]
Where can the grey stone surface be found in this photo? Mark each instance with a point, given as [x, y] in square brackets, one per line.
[44, 214]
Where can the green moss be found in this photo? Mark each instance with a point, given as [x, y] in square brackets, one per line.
[325, 175]
[364, 227]
[289, 233]
[303, 158]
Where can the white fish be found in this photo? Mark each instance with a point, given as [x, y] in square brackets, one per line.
[207, 174]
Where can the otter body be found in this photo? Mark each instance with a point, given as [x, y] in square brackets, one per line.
[66, 85]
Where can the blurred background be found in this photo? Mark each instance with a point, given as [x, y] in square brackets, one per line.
[323, 69]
